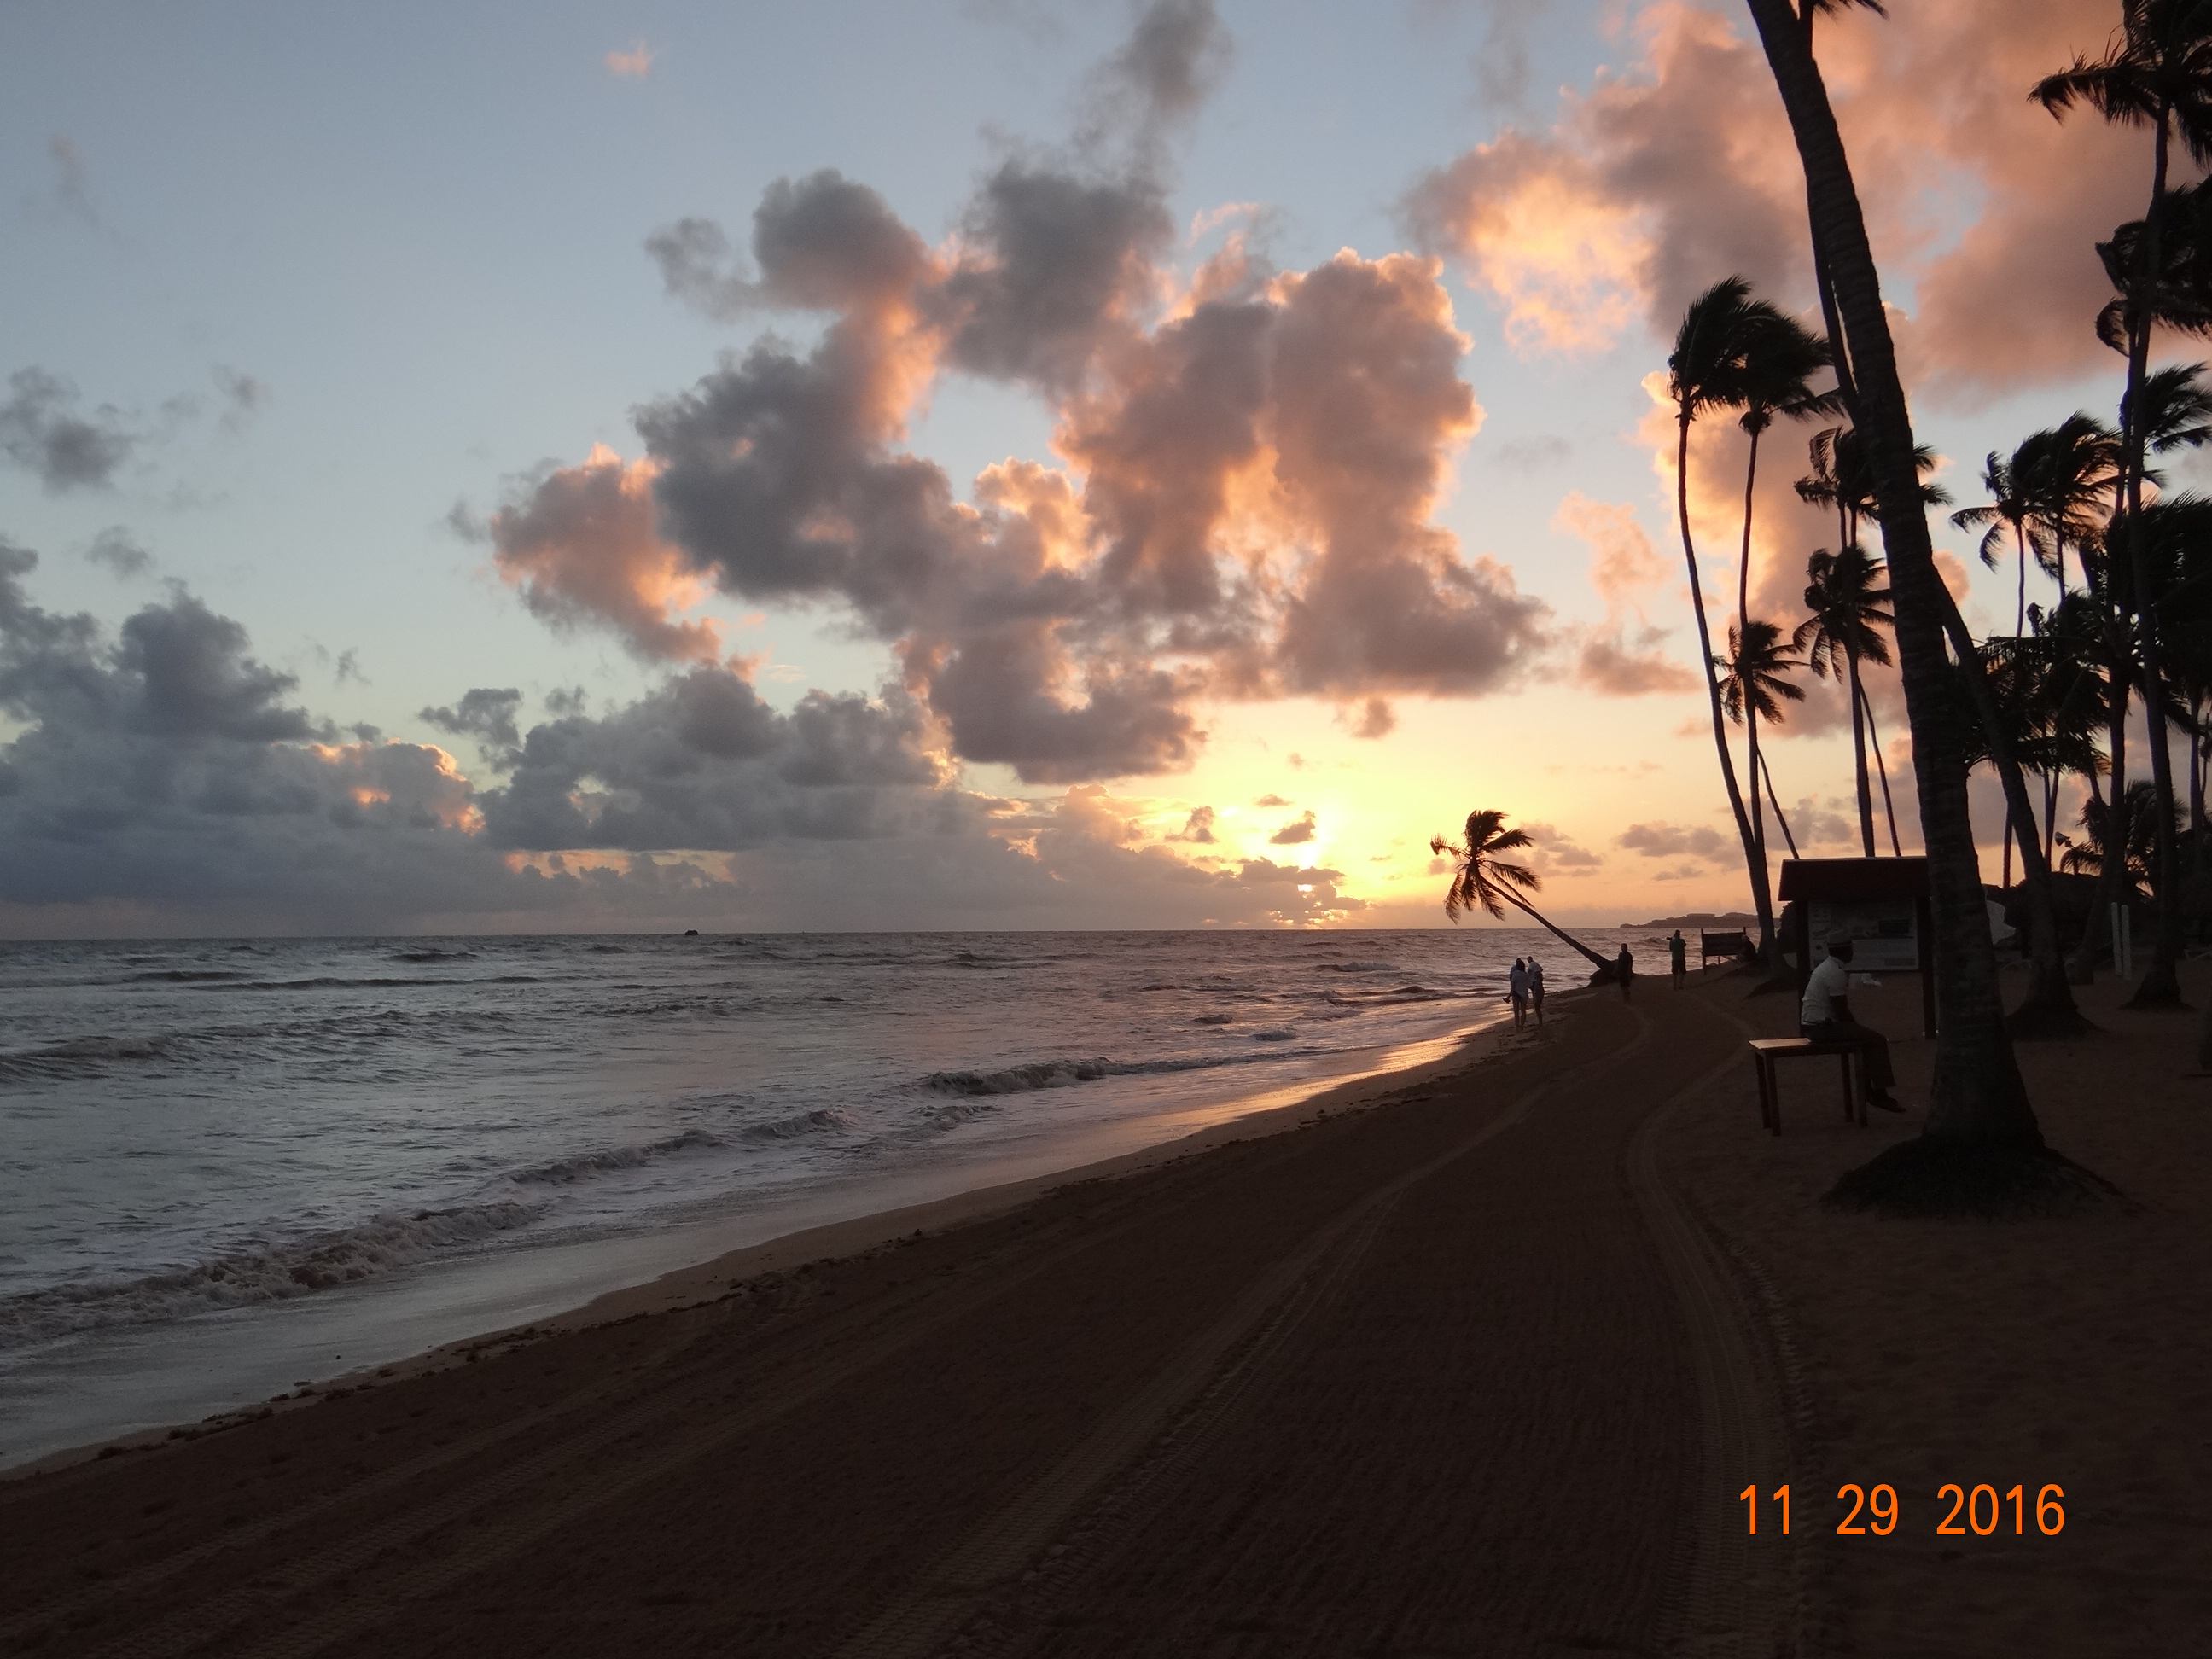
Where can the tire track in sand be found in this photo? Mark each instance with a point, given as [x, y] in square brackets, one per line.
[1733, 1601]
[1158, 1433]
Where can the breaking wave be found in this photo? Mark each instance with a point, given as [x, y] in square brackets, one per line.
[272, 1273]
[1059, 1073]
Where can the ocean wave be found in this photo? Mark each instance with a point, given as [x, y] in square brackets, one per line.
[273, 1273]
[183, 976]
[87, 1055]
[433, 956]
[561, 1171]
[798, 1123]
[1059, 1073]
[1359, 967]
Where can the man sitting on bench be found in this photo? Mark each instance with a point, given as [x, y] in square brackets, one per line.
[1826, 1018]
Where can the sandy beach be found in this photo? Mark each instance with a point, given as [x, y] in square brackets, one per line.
[1473, 1359]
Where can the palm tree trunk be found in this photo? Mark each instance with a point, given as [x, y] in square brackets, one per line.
[1605, 963]
[2113, 872]
[2159, 987]
[1758, 816]
[1859, 755]
[1889, 806]
[2019, 604]
[1743, 563]
[1766, 770]
[1761, 898]
[1977, 1093]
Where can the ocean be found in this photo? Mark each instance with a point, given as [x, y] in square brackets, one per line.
[226, 1161]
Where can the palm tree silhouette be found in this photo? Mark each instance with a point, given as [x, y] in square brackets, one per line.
[2156, 72]
[1754, 684]
[1482, 880]
[1843, 478]
[1713, 368]
[1848, 612]
[2054, 488]
[1776, 382]
[1978, 1098]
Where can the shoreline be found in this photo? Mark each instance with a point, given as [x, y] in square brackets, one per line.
[715, 1275]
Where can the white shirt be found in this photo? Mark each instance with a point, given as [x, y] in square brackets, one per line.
[1830, 980]
[1537, 979]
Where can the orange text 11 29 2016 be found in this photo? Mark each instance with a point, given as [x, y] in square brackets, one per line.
[1979, 1511]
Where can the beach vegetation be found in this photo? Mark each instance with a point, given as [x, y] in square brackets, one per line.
[2156, 72]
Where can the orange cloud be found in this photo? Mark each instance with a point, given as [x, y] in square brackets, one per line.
[584, 548]
[632, 65]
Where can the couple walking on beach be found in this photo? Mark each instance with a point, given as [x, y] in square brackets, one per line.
[1525, 985]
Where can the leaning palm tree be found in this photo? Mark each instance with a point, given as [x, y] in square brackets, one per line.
[1721, 335]
[1843, 630]
[1482, 880]
[1754, 684]
[2156, 72]
[1978, 1099]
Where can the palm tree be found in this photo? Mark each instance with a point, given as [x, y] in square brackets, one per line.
[2138, 822]
[1722, 335]
[2156, 72]
[1776, 382]
[2176, 411]
[1843, 630]
[1754, 684]
[1843, 478]
[1480, 879]
[1977, 1097]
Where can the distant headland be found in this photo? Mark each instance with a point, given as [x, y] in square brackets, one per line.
[1711, 924]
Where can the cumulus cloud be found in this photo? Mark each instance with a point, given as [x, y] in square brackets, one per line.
[1253, 458]
[1625, 656]
[165, 777]
[1677, 166]
[1198, 827]
[42, 431]
[115, 550]
[1293, 834]
[1555, 852]
[581, 547]
[632, 65]
[1664, 840]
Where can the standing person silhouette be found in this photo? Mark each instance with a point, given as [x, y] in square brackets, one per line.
[1536, 988]
[1516, 986]
[1678, 957]
[1624, 971]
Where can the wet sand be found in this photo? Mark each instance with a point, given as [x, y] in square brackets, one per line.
[1475, 1363]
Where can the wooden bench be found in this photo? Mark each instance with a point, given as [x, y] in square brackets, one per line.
[1725, 947]
[1766, 1052]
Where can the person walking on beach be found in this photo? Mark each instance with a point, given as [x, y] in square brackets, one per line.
[1624, 971]
[1536, 988]
[1826, 1017]
[1678, 957]
[1517, 987]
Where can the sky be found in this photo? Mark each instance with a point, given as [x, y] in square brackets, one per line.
[949, 465]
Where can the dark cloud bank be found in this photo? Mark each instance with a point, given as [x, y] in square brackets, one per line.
[165, 780]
